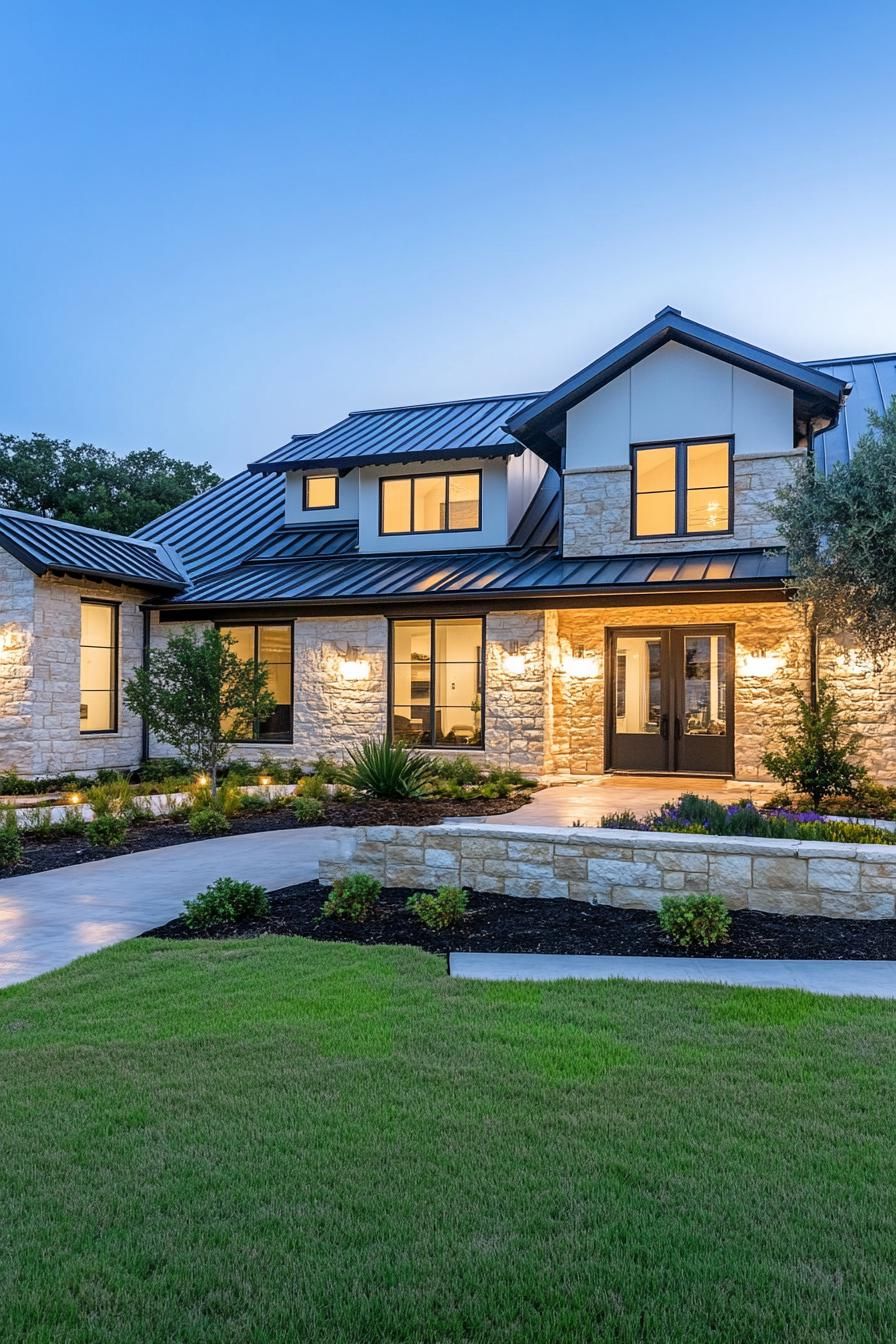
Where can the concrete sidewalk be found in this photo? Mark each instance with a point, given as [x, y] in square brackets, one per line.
[48, 919]
[874, 979]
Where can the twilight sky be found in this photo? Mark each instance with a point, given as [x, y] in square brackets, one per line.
[224, 223]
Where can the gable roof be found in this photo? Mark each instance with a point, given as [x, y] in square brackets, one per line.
[816, 391]
[437, 431]
[46, 545]
[873, 379]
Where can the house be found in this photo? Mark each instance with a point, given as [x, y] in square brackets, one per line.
[572, 581]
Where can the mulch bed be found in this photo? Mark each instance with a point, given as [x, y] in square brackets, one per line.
[512, 924]
[66, 851]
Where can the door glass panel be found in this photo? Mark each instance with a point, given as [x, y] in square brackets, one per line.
[705, 685]
[639, 684]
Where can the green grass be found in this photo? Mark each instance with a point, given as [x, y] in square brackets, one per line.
[284, 1140]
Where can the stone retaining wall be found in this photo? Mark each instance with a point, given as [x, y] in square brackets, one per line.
[630, 869]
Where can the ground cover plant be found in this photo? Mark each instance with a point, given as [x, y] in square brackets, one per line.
[217, 1143]
[694, 815]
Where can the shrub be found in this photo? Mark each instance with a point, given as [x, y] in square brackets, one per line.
[208, 821]
[113, 797]
[256, 802]
[698, 918]
[383, 769]
[353, 897]
[227, 800]
[817, 759]
[162, 768]
[72, 823]
[458, 770]
[107, 830]
[313, 786]
[622, 821]
[40, 825]
[440, 909]
[308, 810]
[10, 840]
[226, 901]
[325, 769]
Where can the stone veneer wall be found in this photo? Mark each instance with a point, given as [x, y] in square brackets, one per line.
[760, 701]
[868, 695]
[630, 869]
[16, 641]
[597, 509]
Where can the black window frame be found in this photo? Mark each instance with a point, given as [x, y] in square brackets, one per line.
[317, 476]
[681, 487]
[432, 745]
[115, 690]
[255, 740]
[432, 531]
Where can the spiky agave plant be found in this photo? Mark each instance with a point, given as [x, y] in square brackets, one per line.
[379, 768]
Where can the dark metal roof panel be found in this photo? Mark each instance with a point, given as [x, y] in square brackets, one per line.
[403, 433]
[540, 524]
[874, 384]
[47, 544]
[303, 543]
[530, 572]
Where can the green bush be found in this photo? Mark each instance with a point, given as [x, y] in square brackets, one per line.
[162, 768]
[228, 799]
[107, 830]
[10, 841]
[40, 824]
[383, 769]
[208, 821]
[308, 810]
[226, 901]
[440, 909]
[817, 758]
[72, 823]
[353, 897]
[698, 918]
[313, 786]
[113, 797]
[459, 770]
[325, 769]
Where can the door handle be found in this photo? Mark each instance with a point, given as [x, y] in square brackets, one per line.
[664, 726]
[678, 729]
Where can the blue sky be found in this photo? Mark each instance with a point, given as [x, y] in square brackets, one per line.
[224, 223]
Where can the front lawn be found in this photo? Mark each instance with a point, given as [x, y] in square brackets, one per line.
[275, 1139]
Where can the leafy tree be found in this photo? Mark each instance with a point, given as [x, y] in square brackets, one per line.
[200, 698]
[840, 532]
[89, 485]
[817, 758]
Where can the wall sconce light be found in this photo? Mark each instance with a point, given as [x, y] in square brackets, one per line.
[579, 664]
[352, 666]
[7, 639]
[514, 661]
[760, 664]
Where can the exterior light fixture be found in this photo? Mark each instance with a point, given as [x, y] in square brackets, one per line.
[579, 664]
[73, 799]
[352, 666]
[264, 780]
[514, 660]
[202, 780]
[760, 664]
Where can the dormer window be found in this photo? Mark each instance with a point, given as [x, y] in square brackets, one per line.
[447, 502]
[321, 492]
[681, 489]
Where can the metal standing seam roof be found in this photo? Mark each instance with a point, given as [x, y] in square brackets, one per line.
[46, 544]
[487, 573]
[874, 384]
[306, 543]
[437, 430]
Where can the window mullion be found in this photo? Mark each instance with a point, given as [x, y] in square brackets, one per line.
[433, 673]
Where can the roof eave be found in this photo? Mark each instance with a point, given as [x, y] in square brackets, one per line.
[456, 453]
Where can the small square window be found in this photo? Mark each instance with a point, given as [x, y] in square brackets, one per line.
[321, 492]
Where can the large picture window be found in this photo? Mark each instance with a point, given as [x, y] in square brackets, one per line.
[272, 645]
[438, 682]
[681, 489]
[99, 666]
[447, 502]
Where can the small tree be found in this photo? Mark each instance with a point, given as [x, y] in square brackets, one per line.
[817, 759]
[200, 698]
[840, 533]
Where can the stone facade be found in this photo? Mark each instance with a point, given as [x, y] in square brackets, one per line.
[629, 869]
[597, 509]
[16, 673]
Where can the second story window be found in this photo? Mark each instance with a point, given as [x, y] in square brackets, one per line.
[321, 492]
[681, 489]
[448, 502]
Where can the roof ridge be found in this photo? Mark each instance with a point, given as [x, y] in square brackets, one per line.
[852, 359]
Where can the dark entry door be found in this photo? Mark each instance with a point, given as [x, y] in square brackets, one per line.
[671, 700]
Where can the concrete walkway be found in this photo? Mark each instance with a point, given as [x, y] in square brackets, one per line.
[587, 801]
[874, 979]
[48, 919]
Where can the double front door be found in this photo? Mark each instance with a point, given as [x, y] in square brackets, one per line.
[671, 700]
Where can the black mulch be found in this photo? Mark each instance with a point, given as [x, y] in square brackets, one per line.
[511, 924]
[65, 851]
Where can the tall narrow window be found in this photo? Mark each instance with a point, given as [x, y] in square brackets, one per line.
[271, 645]
[433, 503]
[99, 666]
[681, 489]
[438, 682]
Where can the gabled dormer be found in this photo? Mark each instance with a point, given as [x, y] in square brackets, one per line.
[677, 439]
[438, 477]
